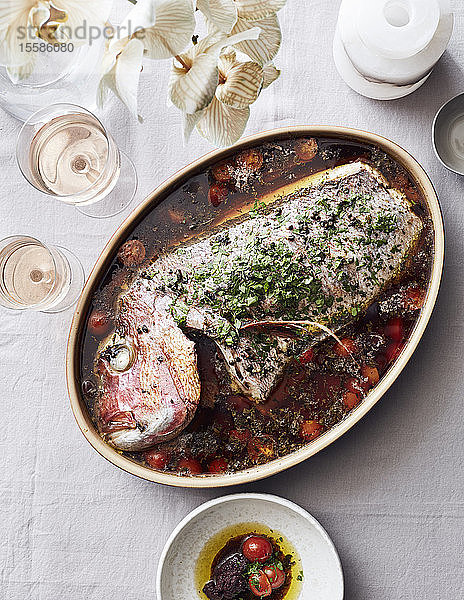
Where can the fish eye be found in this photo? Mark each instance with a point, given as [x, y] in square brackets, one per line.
[121, 358]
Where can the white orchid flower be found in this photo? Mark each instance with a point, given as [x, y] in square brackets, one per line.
[157, 29]
[164, 26]
[195, 74]
[223, 125]
[53, 21]
[240, 82]
[121, 68]
[265, 48]
[220, 15]
[256, 10]
[270, 74]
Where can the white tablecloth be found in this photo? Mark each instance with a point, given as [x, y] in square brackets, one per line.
[390, 492]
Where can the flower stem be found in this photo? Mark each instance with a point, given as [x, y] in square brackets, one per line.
[182, 62]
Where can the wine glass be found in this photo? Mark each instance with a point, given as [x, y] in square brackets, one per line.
[66, 152]
[38, 277]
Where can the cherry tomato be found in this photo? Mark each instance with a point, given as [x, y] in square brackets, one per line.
[394, 329]
[157, 459]
[241, 435]
[355, 385]
[310, 430]
[218, 465]
[251, 159]
[261, 448]
[259, 584]
[414, 298]
[346, 348]
[257, 548]
[191, 466]
[239, 403]
[350, 400]
[217, 194]
[132, 253]
[222, 172]
[371, 375]
[275, 575]
[306, 149]
[99, 323]
[307, 356]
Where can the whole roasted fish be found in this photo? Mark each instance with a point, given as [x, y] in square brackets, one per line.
[262, 286]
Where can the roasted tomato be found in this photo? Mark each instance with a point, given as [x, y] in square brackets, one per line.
[261, 448]
[307, 357]
[414, 298]
[355, 385]
[306, 149]
[394, 329]
[310, 430]
[99, 323]
[259, 584]
[222, 172]
[346, 348]
[190, 466]
[217, 194]
[350, 400]
[257, 548]
[218, 465]
[251, 159]
[371, 375]
[241, 435]
[275, 575]
[157, 459]
[132, 253]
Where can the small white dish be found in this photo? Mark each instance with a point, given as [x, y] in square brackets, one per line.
[448, 134]
[322, 570]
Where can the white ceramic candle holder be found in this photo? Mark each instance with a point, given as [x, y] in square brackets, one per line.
[386, 49]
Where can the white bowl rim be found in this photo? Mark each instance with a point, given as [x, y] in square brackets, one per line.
[439, 113]
[243, 496]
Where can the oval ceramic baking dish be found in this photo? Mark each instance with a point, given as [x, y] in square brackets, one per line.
[78, 404]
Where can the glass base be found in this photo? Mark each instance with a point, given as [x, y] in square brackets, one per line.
[119, 198]
[75, 282]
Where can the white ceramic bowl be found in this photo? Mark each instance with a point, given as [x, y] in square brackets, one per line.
[323, 575]
[448, 134]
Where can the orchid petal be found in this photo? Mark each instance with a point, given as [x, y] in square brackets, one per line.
[14, 17]
[265, 48]
[193, 84]
[189, 122]
[220, 15]
[270, 74]
[223, 125]
[242, 81]
[123, 77]
[81, 15]
[255, 10]
[164, 26]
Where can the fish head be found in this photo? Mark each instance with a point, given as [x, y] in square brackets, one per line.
[148, 378]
